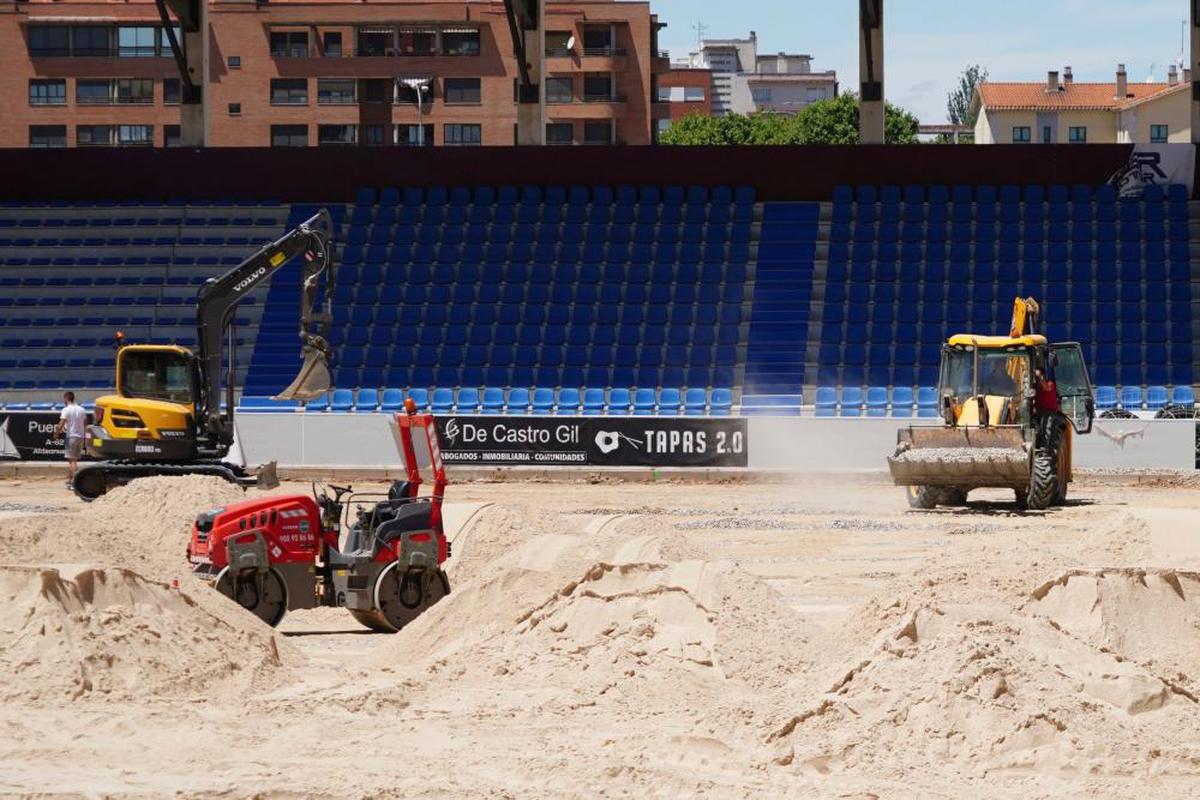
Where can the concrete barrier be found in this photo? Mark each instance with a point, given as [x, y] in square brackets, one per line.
[795, 444]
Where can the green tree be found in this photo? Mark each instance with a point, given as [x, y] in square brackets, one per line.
[958, 101]
[833, 121]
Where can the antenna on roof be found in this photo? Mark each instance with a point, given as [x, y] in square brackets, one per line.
[1151, 78]
[700, 28]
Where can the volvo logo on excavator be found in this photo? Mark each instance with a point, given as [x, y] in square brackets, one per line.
[244, 282]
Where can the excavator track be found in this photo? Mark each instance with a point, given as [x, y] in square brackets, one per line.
[93, 480]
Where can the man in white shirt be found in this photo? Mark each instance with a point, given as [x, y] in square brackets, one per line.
[72, 424]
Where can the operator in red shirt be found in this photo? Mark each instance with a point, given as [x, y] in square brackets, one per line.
[1045, 399]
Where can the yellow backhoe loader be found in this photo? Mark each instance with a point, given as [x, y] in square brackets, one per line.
[996, 431]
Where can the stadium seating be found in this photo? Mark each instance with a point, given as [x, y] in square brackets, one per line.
[72, 274]
[903, 269]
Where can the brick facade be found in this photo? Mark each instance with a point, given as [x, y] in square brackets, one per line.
[609, 70]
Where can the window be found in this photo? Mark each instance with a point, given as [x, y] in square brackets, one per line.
[1021, 134]
[332, 44]
[814, 94]
[462, 135]
[414, 135]
[598, 132]
[693, 94]
[93, 92]
[235, 109]
[170, 91]
[556, 43]
[463, 91]
[48, 92]
[94, 135]
[137, 41]
[376, 90]
[235, 62]
[335, 91]
[597, 87]
[560, 133]
[91, 40]
[560, 89]
[289, 136]
[375, 41]
[664, 94]
[662, 125]
[1158, 134]
[760, 94]
[417, 42]
[43, 136]
[1077, 135]
[165, 39]
[135, 135]
[337, 134]
[289, 91]
[460, 42]
[373, 135]
[134, 91]
[1047, 135]
[597, 40]
[407, 93]
[49, 40]
[171, 136]
[289, 44]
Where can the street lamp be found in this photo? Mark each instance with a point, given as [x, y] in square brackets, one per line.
[418, 85]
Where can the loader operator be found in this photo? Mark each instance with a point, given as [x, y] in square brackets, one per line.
[1045, 398]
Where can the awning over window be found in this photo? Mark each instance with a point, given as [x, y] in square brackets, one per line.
[460, 30]
[376, 29]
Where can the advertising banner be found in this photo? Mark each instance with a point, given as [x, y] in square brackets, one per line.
[1161, 164]
[594, 441]
[29, 436]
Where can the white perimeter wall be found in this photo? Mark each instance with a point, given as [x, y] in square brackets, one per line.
[801, 444]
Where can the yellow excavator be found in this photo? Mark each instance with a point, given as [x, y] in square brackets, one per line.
[166, 417]
[997, 431]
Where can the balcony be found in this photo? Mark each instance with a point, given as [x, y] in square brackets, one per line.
[609, 97]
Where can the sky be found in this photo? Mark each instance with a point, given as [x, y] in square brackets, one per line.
[929, 42]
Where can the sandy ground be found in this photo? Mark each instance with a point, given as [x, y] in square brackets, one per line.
[667, 640]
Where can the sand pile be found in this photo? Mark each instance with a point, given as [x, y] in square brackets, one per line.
[111, 634]
[144, 526]
[970, 690]
[1147, 617]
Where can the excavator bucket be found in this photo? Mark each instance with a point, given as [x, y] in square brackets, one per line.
[961, 457]
[313, 381]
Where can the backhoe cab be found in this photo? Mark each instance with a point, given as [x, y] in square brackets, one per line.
[166, 417]
[995, 432]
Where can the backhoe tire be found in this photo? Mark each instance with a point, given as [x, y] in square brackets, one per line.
[924, 497]
[1044, 483]
[953, 497]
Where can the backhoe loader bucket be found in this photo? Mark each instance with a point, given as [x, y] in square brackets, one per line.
[313, 381]
[961, 457]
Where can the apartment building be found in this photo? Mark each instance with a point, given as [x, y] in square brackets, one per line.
[79, 73]
[743, 81]
[1063, 111]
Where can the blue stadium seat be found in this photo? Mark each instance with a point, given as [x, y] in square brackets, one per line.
[619, 402]
[1156, 397]
[443, 400]
[391, 401]
[467, 401]
[493, 400]
[877, 401]
[543, 401]
[927, 402]
[851, 401]
[518, 401]
[695, 402]
[1182, 395]
[826, 401]
[367, 400]
[902, 401]
[341, 401]
[569, 401]
[1131, 398]
[670, 402]
[644, 402]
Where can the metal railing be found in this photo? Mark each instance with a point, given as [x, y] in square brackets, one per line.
[611, 97]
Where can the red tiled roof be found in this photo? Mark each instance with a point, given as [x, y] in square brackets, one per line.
[1077, 96]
